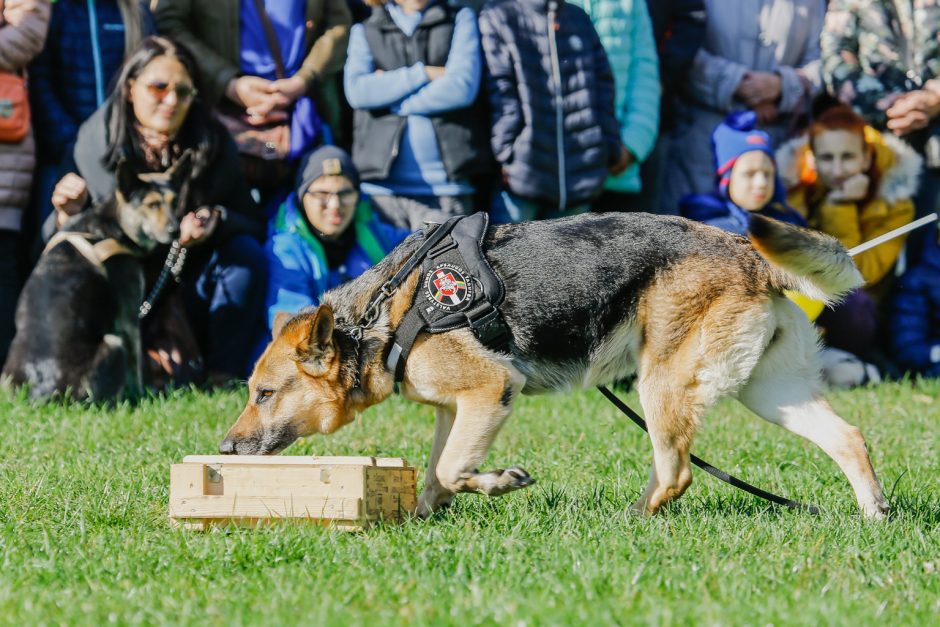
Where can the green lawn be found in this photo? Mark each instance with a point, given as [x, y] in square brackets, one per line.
[84, 537]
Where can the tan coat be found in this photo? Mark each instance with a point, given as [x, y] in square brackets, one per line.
[211, 30]
[22, 35]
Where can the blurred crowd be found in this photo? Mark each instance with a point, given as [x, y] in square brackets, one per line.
[323, 132]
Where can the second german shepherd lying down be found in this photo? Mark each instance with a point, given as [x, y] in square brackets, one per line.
[698, 313]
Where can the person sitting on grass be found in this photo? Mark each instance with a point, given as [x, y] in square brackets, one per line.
[747, 179]
[914, 323]
[153, 116]
[324, 234]
[854, 183]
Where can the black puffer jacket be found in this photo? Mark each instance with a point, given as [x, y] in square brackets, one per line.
[552, 100]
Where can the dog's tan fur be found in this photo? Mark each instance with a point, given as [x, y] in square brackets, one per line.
[697, 335]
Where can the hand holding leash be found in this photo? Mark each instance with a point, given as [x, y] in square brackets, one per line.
[196, 227]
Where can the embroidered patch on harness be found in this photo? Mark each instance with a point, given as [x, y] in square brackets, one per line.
[448, 287]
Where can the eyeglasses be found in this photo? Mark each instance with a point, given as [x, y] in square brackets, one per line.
[322, 199]
[161, 89]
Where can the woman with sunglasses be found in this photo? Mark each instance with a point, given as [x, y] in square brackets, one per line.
[152, 117]
[324, 234]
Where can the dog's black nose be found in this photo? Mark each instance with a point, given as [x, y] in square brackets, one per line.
[174, 232]
[227, 447]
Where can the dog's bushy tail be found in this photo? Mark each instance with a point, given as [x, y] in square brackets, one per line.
[803, 260]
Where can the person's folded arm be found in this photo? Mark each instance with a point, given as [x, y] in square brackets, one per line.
[459, 86]
[367, 89]
[714, 80]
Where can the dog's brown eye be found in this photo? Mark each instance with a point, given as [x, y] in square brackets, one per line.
[263, 395]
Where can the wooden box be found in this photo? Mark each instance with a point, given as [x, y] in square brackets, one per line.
[342, 492]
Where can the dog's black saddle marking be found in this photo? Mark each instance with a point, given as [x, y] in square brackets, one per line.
[458, 288]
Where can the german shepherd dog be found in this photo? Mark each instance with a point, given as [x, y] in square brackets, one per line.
[696, 312]
[77, 324]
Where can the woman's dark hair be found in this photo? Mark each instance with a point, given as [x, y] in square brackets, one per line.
[199, 132]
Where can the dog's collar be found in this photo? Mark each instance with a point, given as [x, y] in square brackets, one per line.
[96, 253]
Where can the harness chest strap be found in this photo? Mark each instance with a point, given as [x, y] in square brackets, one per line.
[458, 289]
[96, 253]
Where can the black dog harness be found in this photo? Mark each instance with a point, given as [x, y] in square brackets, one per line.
[458, 288]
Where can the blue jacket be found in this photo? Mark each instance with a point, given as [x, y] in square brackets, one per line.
[71, 77]
[554, 129]
[299, 274]
[713, 210]
[626, 32]
[914, 325]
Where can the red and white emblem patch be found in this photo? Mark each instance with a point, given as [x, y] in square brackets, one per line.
[448, 287]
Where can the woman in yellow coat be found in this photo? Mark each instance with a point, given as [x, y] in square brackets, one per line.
[855, 184]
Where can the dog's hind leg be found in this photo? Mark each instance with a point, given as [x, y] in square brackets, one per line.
[434, 494]
[671, 416]
[785, 390]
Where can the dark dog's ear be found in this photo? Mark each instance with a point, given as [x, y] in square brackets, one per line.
[280, 319]
[181, 170]
[315, 348]
[127, 179]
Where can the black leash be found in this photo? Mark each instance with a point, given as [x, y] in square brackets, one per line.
[173, 266]
[715, 472]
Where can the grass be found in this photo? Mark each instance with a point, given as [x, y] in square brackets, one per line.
[84, 537]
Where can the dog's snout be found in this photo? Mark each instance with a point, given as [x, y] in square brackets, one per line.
[173, 231]
[227, 447]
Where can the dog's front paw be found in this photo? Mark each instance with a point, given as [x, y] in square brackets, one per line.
[431, 501]
[499, 482]
[877, 510]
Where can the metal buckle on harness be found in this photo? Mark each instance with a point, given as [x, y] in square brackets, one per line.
[488, 326]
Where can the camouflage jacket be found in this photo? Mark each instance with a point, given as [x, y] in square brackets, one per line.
[875, 48]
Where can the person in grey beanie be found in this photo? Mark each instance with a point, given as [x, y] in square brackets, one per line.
[324, 234]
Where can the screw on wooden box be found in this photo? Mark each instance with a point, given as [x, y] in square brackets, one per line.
[347, 493]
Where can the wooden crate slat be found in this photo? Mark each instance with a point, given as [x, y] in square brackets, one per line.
[237, 506]
[296, 460]
[332, 481]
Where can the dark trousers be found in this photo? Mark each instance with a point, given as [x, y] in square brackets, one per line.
[925, 202]
[224, 289]
[9, 290]
[853, 325]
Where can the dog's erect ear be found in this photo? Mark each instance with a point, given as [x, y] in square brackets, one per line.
[127, 179]
[280, 319]
[315, 348]
[181, 170]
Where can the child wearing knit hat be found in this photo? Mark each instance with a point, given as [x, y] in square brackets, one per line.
[747, 179]
[324, 234]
